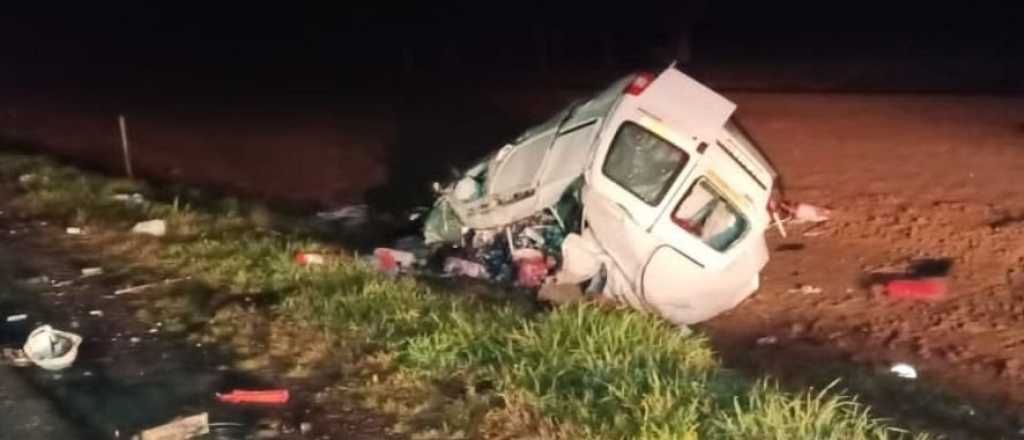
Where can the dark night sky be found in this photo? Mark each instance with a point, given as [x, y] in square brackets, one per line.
[253, 42]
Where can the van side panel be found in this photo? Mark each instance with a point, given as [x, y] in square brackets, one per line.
[682, 292]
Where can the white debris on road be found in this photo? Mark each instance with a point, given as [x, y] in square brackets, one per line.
[17, 318]
[156, 228]
[52, 349]
[91, 271]
[905, 371]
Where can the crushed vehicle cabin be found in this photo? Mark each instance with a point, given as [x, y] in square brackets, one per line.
[649, 191]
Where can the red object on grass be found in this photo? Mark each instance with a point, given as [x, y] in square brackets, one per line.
[929, 288]
[306, 258]
[386, 261]
[532, 272]
[250, 396]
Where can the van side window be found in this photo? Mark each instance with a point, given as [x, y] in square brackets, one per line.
[704, 213]
[643, 163]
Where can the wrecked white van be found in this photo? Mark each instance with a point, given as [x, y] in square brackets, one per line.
[673, 196]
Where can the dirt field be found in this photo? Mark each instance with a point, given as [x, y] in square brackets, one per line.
[910, 177]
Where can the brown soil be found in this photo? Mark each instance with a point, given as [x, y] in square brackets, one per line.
[912, 179]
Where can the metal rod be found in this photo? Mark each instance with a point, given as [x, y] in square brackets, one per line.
[124, 146]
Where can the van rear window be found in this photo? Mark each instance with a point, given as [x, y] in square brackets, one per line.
[643, 163]
[704, 213]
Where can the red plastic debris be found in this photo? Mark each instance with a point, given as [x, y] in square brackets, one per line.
[307, 258]
[252, 396]
[532, 272]
[385, 260]
[392, 260]
[923, 289]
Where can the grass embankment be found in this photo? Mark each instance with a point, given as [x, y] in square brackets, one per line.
[576, 372]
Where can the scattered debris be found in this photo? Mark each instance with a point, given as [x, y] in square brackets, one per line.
[533, 267]
[251, 396]
[96, 313]
[305, 428]
[392, 260]
[65, 283]
[91, 271]
[179, 429]
[156, 228]
[806, 213]
[142, 287]
[905, 371]
[135, 339]
[31, 178]
[806, 289]
[133, 198]
[17, 318]
[581, 260]
[917, 289]
[15, 357]
[309, 258]
[458, 267]
[349, 214]
[41, 279]
[74, 230]
[52, 349]
[814, 232]
[767, 340]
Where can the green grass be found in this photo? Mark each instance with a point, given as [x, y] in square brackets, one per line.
[591, 372]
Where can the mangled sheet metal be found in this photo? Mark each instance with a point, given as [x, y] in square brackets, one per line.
[647, 193]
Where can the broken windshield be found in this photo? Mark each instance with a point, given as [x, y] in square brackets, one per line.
[643, 163]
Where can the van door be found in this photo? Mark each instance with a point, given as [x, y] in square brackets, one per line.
[630, 182]
[711, 252]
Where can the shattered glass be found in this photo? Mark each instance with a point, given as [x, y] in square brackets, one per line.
[643, 163]
[704, 213]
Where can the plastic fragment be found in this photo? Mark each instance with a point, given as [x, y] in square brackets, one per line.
[42, 279]
[134, 198]
[92, 271]
[807, 213]
[459, 267]
[905, 371]
[922, 289]
[52, 349]
[156, 228]
[142, 287]
[309, 259]
[180, 429]
[393, 260]
[806, 289]
[351, 213]
[255, 396]
[532, 271]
